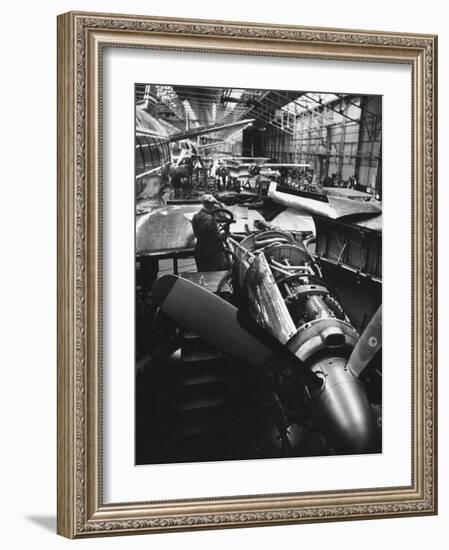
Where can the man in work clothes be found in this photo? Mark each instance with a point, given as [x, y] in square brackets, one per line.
[209, 252]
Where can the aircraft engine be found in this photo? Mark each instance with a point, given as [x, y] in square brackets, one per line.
[223, 171]
[287, 295]
[254, 169]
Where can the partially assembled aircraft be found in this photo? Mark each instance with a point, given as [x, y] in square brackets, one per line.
[287, 318]
[305, 306]
[247, 167]
[153, 157]
[290, 324]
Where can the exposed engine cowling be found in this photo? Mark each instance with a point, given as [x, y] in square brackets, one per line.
[286, 293]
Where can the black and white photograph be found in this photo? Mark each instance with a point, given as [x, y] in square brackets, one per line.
[258, 273]
[231, 214]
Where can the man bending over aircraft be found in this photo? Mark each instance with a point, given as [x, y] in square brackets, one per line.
[209, 252]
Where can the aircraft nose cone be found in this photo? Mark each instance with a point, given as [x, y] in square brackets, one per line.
[343, 409]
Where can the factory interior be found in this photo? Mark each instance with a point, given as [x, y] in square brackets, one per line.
[258, 274]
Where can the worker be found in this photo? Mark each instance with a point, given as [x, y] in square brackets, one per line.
[209, 251]
[176, 181]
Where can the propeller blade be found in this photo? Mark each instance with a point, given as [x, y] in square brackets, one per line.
[223, 325]
[367, 346]
[282, 351]
[210, 317]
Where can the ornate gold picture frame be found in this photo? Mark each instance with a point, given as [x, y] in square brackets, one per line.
[82, 510]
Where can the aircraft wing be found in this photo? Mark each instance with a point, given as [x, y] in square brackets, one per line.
[194, 132]
[292, 220]
[249, 159]
[269, 164]
[284, 165]
[210, 145]
[346, 193]
[166, 229]
[142, 127]
[333, 207]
